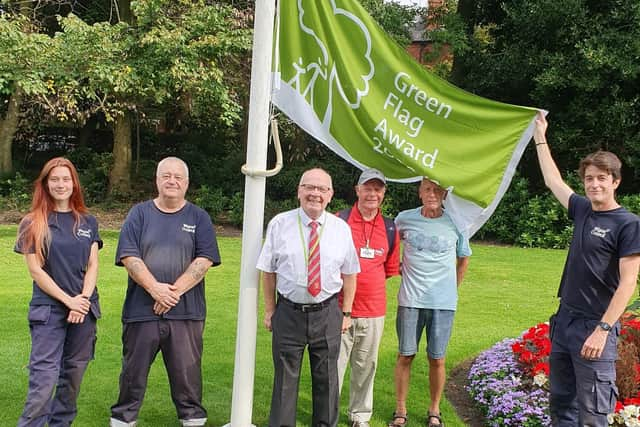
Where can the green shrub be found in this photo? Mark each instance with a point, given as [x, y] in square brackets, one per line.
[93, 169]
[543, 224]
[337, 204]
[235, 214]
[274, 207]
[16, 192]
[212, 201]
[529, 220]
[502, 226]
[631, 202]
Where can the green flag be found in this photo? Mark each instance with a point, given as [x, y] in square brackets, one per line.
[345, 82]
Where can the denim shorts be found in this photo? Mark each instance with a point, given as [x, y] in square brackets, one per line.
[410, 323]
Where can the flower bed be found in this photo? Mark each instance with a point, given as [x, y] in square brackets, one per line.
[510, 381]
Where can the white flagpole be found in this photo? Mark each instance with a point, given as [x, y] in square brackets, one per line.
[257, 140]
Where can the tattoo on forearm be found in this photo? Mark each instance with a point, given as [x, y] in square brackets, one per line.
[135, 267]
[197, 271]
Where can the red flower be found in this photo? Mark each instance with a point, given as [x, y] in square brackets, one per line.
[541, 367]
[526, 356]
[533, 348]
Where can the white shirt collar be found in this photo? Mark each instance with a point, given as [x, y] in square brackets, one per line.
[306, 220]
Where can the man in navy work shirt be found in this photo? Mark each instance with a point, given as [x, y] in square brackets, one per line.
[167, 245]
[308, 257]
[599, 278]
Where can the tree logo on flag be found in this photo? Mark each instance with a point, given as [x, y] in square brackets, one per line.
[316, 73]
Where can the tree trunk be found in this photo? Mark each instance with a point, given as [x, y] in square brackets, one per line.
[124, 11]
[120, 176]
[8, 128]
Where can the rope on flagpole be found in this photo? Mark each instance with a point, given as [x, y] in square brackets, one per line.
[278, 166]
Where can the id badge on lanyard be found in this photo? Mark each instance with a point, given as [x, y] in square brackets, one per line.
[367, 252]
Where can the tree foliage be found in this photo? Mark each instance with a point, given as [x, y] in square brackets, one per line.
[176, 54]
[579, 59]
[396, 19]
[180, 58]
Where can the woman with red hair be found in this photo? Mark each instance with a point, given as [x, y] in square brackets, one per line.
[60, 243]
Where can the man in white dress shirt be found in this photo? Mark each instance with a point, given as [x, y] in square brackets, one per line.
[307, 313]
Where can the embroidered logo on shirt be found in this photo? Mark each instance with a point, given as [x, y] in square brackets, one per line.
[84, 233]
[189, 228]
[600, 232]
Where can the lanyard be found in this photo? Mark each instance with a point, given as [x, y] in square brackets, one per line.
[304, 243]
[373, 226]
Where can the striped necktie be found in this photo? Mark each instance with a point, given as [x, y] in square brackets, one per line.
[313, 281]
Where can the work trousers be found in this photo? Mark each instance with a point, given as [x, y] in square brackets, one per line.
[60, 353]
[583, 391]
[359, 349]
[180, 342]
[293, 330]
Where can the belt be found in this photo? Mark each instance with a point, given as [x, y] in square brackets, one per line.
[305, 308]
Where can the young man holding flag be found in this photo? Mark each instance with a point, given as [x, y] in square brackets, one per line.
[599, 278]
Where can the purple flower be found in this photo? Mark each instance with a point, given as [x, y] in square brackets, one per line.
[496, 384]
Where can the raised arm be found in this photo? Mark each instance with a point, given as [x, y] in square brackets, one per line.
[552, 178]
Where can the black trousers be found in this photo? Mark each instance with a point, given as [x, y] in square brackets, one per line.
[320, 331]
[181, 344]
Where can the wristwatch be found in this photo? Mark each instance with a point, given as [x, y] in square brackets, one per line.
[604, 326]
[346, 313]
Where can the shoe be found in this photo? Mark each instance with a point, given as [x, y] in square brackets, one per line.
[114, 422]
[403, 420]
[430, 423]
[194, 422]
[359, 424]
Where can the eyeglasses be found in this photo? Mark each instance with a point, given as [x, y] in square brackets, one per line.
[311, 188]
[168, 176]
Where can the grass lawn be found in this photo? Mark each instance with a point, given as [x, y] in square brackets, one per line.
[506, 291]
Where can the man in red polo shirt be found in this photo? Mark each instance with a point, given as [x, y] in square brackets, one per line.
[378, 246]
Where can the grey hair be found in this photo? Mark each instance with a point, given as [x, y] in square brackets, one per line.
[316, 169]
[173, 159]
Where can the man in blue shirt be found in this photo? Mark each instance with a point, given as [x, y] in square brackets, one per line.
[434, 261]
[599, 278]
[167, 245]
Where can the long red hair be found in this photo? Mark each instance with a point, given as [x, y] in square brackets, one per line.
[34, 229]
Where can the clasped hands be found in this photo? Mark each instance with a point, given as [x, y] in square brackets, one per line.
[78, 308]
[166, 296]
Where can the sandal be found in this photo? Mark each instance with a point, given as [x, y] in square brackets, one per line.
[396, 416]
[432, 424]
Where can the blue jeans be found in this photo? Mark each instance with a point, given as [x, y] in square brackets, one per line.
[583, 391]
[410, 323]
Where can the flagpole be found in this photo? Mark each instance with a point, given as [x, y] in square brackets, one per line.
[253, 219]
